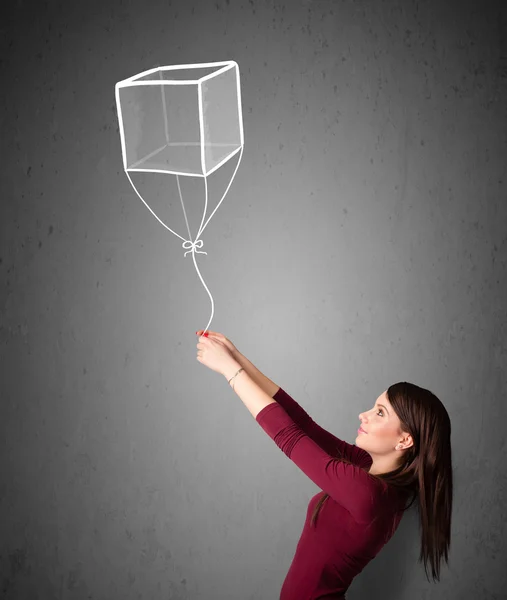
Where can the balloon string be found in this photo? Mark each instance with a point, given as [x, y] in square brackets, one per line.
[192, 245]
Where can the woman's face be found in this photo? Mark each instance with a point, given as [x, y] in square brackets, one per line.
[382, 429]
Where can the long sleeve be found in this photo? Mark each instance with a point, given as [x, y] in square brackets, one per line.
[327, 441]
[347, 484]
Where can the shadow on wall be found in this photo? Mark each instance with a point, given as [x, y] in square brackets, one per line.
[387, 575]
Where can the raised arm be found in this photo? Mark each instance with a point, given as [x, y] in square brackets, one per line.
[260, 379]
[325, 439]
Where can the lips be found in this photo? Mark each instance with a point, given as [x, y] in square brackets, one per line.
[361, 430]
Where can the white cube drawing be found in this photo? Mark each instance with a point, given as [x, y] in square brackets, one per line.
[182, 119]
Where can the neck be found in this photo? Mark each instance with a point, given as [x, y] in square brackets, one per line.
[381, 465]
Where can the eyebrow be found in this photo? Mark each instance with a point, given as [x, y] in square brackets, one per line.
[383, 407]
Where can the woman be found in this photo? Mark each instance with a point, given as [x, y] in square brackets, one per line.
[402, 450]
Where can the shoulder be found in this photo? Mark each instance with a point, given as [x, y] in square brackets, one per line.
[359, 492]
[372, 499]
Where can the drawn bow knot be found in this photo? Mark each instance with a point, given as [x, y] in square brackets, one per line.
[193, 246]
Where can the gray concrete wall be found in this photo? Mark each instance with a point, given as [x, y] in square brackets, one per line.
[363, 242]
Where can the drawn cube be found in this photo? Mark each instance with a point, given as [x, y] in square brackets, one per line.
[183, 119]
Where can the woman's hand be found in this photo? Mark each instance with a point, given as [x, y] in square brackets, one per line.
[215, 355]
[221, 338]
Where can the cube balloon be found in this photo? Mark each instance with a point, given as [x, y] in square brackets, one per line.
[182, 119]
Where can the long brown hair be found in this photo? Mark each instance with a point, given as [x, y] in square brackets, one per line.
[424, 470]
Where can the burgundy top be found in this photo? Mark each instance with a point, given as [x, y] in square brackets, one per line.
[347, 535]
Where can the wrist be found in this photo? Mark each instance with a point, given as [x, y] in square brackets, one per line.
[237, 356]
[232, 368]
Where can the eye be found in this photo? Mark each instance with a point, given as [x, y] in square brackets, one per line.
[380, 410]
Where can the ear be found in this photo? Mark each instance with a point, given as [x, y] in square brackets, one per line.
[408, 442]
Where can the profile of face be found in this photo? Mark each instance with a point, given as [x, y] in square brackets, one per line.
[381, 434]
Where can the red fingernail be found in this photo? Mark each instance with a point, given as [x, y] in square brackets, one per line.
[205, 335]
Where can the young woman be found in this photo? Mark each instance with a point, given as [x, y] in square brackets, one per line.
[402, 451]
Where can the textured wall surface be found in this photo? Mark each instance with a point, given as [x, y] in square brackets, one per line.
[363, 242]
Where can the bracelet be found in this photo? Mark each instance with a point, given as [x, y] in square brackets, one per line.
[242, 369]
